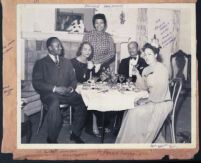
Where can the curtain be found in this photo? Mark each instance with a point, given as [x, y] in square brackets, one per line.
[141, 31]
[175, 31]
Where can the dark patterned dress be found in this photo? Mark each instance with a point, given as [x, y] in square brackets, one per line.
[103, 45]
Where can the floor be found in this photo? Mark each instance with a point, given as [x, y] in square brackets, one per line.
[183, 125]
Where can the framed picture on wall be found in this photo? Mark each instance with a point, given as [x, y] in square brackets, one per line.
[72, 20]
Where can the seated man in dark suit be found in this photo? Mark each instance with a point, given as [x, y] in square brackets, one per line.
[54, 79]
[127, 64]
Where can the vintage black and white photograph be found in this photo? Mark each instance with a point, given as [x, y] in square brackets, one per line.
[106, 76]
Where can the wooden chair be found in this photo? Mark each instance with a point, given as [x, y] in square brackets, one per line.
[181, 68]
[44, 108]
[175, 86]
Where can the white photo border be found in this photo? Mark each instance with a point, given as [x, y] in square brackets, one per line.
[194, 101]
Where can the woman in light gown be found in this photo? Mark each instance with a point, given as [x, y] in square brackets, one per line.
[142, 124]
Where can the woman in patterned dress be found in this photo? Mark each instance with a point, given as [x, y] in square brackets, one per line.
[104, 50]
[102, 42]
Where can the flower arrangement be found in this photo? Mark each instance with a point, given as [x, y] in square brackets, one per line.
[108, 76]
[155, 42]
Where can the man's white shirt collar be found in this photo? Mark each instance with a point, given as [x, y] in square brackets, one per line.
[53, 57]
[132, 62]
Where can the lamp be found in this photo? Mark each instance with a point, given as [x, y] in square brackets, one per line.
[122, 17]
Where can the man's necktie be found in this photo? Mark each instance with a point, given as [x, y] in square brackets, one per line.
[56, 61]
[133, 58]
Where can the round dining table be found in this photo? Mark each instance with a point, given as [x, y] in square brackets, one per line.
[105, 97]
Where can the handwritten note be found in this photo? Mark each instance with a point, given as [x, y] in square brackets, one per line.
[115, 153]
[7, 90]
[74, 154]
[91, 6]
[51, 151]
[112, 5]
[166, 34]
[8, 47]
[105, 6]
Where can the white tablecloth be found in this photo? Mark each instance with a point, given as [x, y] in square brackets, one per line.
[112, 100]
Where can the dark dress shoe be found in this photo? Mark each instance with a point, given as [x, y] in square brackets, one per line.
[76, 139]
[49, 141]
[90, 132]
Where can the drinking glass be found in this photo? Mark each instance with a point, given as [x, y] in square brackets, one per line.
[121, 79]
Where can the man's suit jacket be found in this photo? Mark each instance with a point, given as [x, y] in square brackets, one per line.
[124, 66]
[46, 74]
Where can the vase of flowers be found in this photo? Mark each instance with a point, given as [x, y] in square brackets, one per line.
[109, 76]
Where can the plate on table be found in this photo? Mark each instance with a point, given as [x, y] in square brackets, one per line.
[126, 87]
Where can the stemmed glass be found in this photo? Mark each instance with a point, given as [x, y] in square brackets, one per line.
[121, 79]
[129, 80]
[113, 80]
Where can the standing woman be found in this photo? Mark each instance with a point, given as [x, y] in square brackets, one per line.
[102, 42]
[104, 49]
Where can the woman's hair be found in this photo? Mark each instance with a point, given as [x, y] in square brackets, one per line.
[80, 49]
[154, 49]
[99, 16]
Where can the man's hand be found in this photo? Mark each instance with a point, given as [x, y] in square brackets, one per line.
[135, 71]
[63, 90]
[69, 90]
[60, 90]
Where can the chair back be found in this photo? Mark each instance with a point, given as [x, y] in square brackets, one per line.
[176, 85]
[181, 66]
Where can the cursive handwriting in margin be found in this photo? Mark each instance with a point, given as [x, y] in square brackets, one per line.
[7, 90]
[8, 47]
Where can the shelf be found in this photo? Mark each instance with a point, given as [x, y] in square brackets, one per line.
[63, 36]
